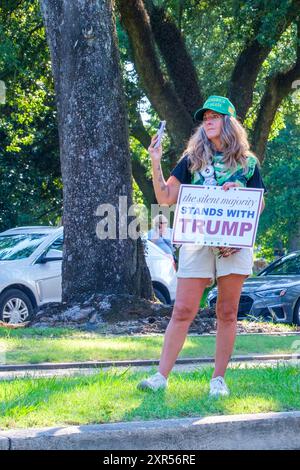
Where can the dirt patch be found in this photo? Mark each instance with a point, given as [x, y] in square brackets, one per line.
[129, 315]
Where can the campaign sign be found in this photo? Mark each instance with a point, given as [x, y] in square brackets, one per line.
[209, 215]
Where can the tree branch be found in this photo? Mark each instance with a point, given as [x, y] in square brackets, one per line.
[278, 87]
[250, 60]
[164, 99]
[144, 183]
[138, 131]
[178, 61]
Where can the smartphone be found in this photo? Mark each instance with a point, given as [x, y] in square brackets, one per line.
[160, 133]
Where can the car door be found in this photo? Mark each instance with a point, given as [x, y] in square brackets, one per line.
[47, 275]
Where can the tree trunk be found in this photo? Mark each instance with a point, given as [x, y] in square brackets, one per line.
[95, 160]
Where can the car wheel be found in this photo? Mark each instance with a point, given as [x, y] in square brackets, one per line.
[296, 318]
[15, 307]
[160, 296]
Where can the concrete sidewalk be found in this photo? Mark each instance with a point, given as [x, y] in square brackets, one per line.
[266, 431]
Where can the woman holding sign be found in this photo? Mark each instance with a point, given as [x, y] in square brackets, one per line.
[218, 153]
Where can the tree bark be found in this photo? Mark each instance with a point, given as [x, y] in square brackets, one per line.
[95, 160]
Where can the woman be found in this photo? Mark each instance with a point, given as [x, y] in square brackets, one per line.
[217, 153]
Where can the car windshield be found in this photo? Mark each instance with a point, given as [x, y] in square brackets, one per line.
[288, 265]
[19, 246]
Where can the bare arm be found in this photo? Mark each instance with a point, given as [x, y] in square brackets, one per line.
[166, 192]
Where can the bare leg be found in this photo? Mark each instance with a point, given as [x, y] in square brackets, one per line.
[229, 292]
[188, 295]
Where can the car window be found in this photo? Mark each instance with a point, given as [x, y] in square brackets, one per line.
[286, 266]
[13, 247]
[57, 245]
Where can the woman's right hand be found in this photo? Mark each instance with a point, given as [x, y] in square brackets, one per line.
[227, 251]
[155, 153]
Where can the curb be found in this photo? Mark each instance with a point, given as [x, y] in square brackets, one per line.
[151, 362]
[264, 431]
[271, 333]
[4, 443]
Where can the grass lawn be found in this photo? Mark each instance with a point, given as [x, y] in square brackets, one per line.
[112, 396]
[66, 345]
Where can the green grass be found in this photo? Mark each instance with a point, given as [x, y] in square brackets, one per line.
[53, 345]
[112, 396]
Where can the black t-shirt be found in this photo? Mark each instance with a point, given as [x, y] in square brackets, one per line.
[183, 174]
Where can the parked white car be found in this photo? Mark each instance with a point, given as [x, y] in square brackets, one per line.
[30, 271]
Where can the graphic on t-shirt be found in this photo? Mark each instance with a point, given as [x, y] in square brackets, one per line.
[209, 176]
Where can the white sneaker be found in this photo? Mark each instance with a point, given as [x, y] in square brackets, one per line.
[155, 382]
[218, 387]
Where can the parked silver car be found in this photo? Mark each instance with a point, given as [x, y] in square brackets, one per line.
[274, 294]
[30, 271]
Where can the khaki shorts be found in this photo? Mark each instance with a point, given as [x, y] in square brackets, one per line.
[202, 261]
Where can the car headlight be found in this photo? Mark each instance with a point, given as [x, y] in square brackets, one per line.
[271, 293]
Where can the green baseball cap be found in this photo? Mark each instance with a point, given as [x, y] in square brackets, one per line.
[220, 104]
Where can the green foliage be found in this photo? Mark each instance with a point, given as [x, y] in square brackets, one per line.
[137, 194]
[30, 181]
[280, 220]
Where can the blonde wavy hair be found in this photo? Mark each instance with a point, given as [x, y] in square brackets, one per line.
[235, 145]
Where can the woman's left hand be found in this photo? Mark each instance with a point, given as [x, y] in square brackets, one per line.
[230, 184]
